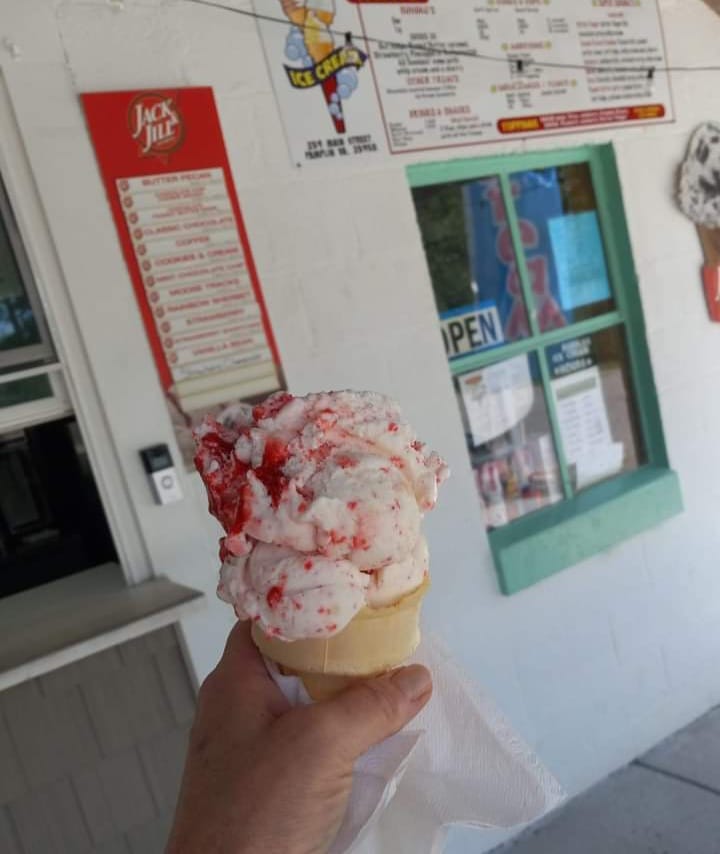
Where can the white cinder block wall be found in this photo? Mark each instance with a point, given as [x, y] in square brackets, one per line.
[593, 665]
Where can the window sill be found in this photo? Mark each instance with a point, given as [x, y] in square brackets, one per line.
[58, 623]
[546, 542]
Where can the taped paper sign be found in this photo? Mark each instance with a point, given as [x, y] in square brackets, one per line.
[497, 398]
[466, 330]
[579, 259]
[585, 428]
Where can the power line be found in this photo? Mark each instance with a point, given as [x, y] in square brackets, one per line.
[520, 64]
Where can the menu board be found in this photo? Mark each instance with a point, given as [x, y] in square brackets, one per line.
[577, 387]
[163, 160]
[194, 272]
[363, 78]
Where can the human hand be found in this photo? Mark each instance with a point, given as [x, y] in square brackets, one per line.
[261, 776]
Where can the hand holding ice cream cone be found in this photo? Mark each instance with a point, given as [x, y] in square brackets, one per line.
[321, 499]
[278, 778]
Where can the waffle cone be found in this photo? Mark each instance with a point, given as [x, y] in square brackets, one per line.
[374, 641]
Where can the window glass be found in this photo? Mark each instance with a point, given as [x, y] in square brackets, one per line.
[472, 264]
[509, 438]
[543, 422]
[596, 414]
[24, 339]
[51, 520]
[563, 245]
[24, 391]
[18, 325]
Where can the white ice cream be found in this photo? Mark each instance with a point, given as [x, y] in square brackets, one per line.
[321, 499]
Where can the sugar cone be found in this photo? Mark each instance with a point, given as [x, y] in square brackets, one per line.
[374, 641]
[710, 239]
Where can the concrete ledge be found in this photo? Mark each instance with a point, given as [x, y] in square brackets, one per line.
[58, 623]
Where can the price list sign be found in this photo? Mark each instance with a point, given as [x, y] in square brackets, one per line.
[374, 78]
[164, 163]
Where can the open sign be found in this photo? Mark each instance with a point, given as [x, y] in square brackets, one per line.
[466, 330]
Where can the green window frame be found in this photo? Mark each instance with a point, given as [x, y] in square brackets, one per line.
[586, 523]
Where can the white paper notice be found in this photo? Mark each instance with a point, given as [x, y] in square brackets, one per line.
[497, 398]
[361, 78]
[604, 462]
[193, 267]
[585, 428]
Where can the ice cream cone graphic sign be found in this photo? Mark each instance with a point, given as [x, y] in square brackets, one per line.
[316, 60]
[699, 196]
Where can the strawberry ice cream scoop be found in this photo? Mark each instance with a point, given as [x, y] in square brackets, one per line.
[321, 498]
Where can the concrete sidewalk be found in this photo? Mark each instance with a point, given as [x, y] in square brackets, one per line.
[666, 802]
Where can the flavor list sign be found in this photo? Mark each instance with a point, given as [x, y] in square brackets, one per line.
[577, 386]
[166, 173]
[350, 85]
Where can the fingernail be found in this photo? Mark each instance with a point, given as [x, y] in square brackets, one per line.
[414, 681]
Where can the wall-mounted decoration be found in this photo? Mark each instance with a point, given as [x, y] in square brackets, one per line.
[700, 200]
[163, 161]
[367, 79]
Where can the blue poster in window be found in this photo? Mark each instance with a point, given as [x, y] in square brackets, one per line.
[579, 258]
[538, 198]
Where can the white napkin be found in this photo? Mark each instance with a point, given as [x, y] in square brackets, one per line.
[457, 762]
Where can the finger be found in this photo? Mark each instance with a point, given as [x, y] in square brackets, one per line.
[372, 710]
[242, 670]
[241, 654]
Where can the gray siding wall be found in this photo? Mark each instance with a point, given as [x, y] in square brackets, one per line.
[91, 755]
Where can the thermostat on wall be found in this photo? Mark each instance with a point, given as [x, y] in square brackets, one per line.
[161, 473]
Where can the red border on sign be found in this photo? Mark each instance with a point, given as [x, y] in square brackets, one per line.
[201, 146]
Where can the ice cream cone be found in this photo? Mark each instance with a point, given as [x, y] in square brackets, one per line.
[710, 239]
[320, 44]
[375, 640]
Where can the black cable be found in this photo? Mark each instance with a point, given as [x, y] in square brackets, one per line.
[471, 54]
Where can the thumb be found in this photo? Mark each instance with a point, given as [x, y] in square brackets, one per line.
[374, 709]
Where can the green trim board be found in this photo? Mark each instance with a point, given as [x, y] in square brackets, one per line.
[543, 543]
[621, 265]
[483, 358]
[531, 309]
[424, 174]
[531, 548]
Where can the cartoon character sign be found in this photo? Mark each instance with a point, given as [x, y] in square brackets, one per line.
[315, 57]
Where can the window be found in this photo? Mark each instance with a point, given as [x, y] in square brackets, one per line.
[51, 519]
[540, 316]
[31, 385]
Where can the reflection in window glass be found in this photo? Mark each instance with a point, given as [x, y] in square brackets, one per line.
[564, 250]
[472, 264]
[596, 412]
[509, 438]
[18, 327]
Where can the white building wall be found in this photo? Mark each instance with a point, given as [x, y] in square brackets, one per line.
[593, 665]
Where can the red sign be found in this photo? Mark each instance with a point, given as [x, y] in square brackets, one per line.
[163, 161]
